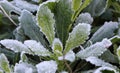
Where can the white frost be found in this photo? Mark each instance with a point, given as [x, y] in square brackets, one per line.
[37, 48]
[70, 56]
[47, 67]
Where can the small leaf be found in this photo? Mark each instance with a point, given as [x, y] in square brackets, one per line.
[37, 48]
[57, 47]
[84, 18]
[47, 67]
[4, 64]
[94, 50]
[46, 22]
[106, 31]
[77, 36]
[15, 45]
[70, 56]
[98, 62]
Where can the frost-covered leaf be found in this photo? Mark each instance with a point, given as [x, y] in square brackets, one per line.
[8, 7]
[37, 48]
[57, 47]
[30, 28]
[14, 45]
[105, 70]
[19, 34]
[98, 62]
[94, 50]
[97, 7]
[77, 36]
[47, 67]
[76, 4]
[84, 18]
[46, 22]
[4, 64]
[118, 53]
[70, 56]
[23, 57]
[24, 68]
[25, 5]
[106, 31]
[84, 4]
[63, 13]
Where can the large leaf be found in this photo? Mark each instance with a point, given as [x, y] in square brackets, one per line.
[63, 13]
[106, 31]
[94, 50]
[25, 5]
[46, 22]
[37, 48]
[98, 62]
[57, 47]
[47, 67]
[4, 64]
[14, 45]
[97, 7]
[30, 28]
[77, 36]
[8, 7]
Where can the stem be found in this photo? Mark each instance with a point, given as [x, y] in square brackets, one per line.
[67, 65]
[7, 15]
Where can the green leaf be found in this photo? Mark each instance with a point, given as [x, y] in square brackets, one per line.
[46, 22]
[82, 6]
[57, 47]
[94, 50]
[76, 4]
[36, 48]
[30, 28]
[63, 13]
[4, 64]
[106, 31]
[77, 36]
